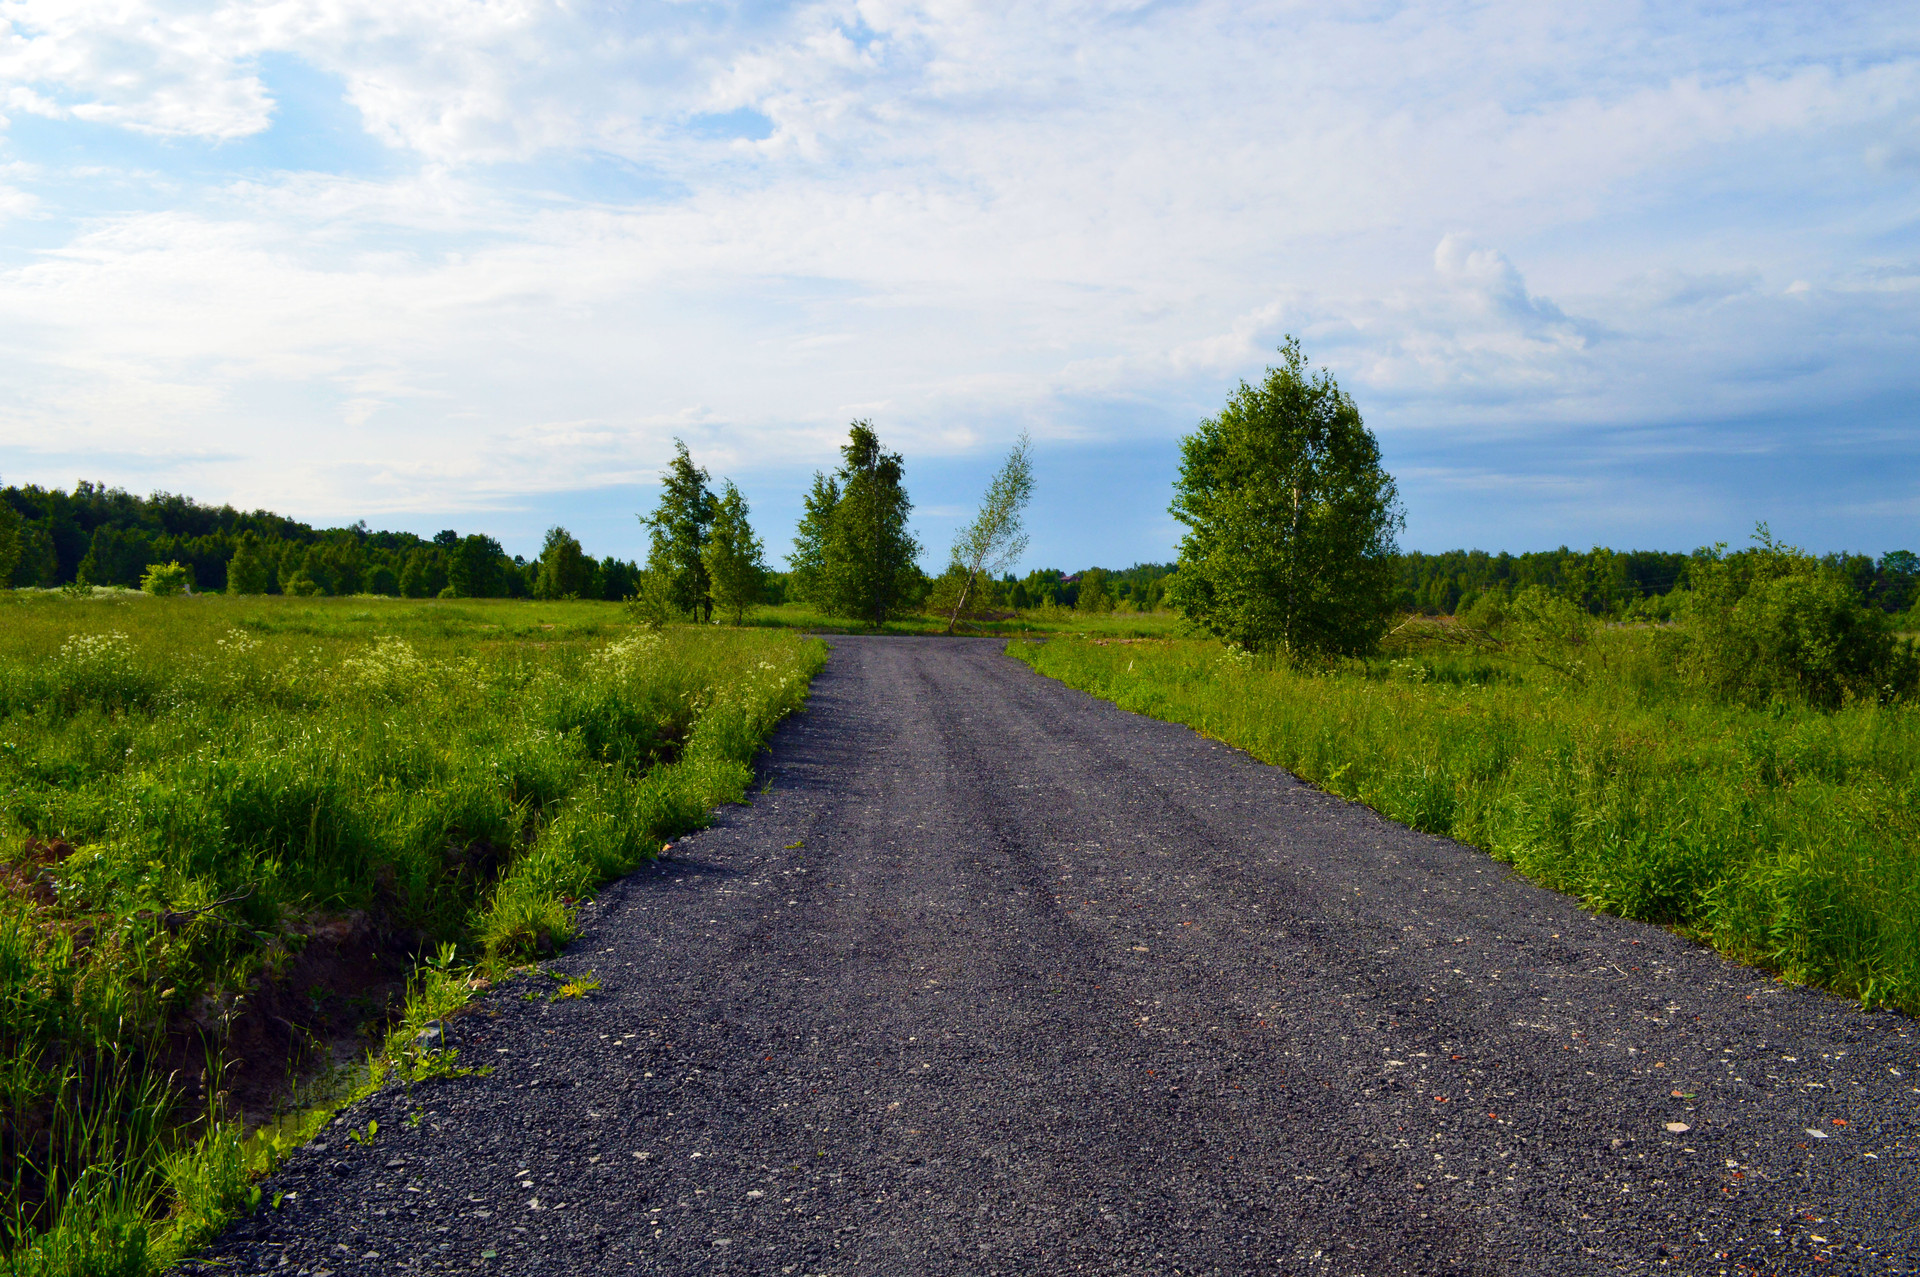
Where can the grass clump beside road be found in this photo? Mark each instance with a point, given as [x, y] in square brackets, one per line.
[1782, 835]
[229, 826]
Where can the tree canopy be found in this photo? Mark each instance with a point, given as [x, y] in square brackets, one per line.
[565, 572]
[678, 530]
[852, 554]
[1291, 519]
[734, 556]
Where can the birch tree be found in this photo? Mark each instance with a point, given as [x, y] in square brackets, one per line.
[997, 536]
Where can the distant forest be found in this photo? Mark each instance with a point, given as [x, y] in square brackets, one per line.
[97, 535]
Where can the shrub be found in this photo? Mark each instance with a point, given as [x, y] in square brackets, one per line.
[1547, 629]
[167, 578]
[1774, 622]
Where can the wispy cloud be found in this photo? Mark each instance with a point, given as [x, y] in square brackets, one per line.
[597, 228]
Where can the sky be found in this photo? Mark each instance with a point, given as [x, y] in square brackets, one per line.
[1612, 274]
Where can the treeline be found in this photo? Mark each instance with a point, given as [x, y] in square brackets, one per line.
[1620, 583]
[1140, 588]
[97, 535]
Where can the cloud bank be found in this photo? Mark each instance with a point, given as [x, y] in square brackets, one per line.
[350, 258]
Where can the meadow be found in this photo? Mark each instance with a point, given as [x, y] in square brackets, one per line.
[1782, 835]
[239, 836]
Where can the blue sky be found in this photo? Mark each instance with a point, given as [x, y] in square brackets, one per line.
[1630, 275]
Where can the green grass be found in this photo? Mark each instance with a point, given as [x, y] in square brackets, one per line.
[1784, 837]
[197, 792]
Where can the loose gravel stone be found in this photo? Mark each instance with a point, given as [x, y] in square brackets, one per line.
[996, 978]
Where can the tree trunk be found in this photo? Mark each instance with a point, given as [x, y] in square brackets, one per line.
[1293, 574]
[966, 592]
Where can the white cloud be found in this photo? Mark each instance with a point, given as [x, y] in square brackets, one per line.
[1077, 217]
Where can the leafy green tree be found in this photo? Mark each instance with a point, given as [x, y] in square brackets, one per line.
[1095, 595]
[565, 572]
[474, 568]
[10, 543]
[115, 556]
[1291, 520]
[616, 580]
[1898, 585]
[678, 533]
[650, 605]
[424, 574]
[853, 555]
[308, 568]
[39, 563]
[733, 556]
[381, 579]
[167, 578]
[997, 536]
[808, 563]
[249, 571]
[337, 563]
[1774, 621]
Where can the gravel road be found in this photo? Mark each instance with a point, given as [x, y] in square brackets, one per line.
[997, 978]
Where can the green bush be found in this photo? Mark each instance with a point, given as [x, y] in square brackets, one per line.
[1774, 622]
[167, 578]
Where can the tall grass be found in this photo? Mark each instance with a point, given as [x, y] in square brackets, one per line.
[193, 790]
[1783, 836]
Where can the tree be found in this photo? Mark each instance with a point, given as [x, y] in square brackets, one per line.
[853, 554]
[167, 578]
[115, 556]
[1899, 580]
[808, 562]
[996, 537]
[733, 556]
[565, 572]
[1094, 594]
[249, 572]
[678, 529]
[473, 569]
[1290, 517]
[10, 543]
[311, 567]
[1773, 621]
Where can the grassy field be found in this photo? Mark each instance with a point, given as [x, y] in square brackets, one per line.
[232, 830]
[1785, 837]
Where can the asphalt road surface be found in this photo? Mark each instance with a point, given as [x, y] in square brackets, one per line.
[997, 978]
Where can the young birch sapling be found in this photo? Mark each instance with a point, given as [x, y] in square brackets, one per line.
[996, 537]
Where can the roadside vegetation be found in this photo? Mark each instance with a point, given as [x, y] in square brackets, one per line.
[1784, 835]
[1741, 762]
[234, 831]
